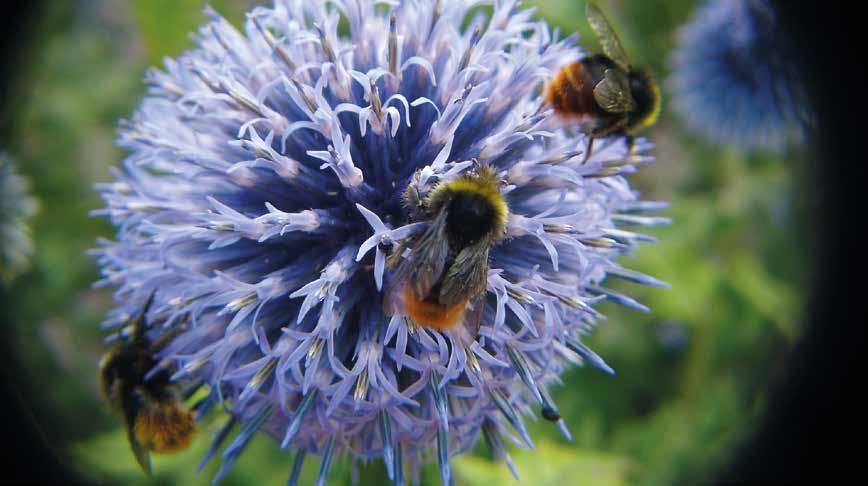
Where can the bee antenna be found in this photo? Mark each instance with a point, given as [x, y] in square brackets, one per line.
[139, 325]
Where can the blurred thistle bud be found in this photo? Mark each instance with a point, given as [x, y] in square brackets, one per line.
[734, 78]
[672, 336]
[16, 207]
[265, 197]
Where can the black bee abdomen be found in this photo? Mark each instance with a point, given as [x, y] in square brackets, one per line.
[471, 217]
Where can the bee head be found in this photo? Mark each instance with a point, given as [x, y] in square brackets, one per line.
[471, 218]
[475, 207]
[647, 95]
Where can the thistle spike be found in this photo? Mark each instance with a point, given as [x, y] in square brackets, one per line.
[297, 418]
[474, 38]
[296, 468]
[645, 206]
[307, 99]
[204, 405]
[443, 455]
[219, 439]
[326, 46]
[399, 464]
[354, 473]
[619, 298]
[272, 42]
[497, 446]
[388, 450]
[585, 352]
[520, 365]
[326, 463]
[257, 381]
[239, 443]
[551, 413]
[439, 400]
[376, 101]
[601, 242]
[648, 221]
[628, 237]
[565, 431]
[393, 45]
[638, 277]
[511, 416]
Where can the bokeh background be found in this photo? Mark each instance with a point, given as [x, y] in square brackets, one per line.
[692, 376]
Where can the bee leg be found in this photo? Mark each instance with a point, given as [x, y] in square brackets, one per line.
[606, 126]
[588, 150]
[413, 201]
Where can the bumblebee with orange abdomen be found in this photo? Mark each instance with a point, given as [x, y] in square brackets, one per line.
[154, 413]
[440, 275]
[604, 92]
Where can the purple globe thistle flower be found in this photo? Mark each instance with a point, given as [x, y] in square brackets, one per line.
[264, 191]
[734, 79]
[16, 207]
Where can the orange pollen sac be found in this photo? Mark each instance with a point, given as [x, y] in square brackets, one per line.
[166, 427]
[432, 314]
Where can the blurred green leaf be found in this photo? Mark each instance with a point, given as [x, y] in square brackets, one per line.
[548, 465]
[108, 456]
[683, 258]
[684, 442]
[773, 300]
[165, 25]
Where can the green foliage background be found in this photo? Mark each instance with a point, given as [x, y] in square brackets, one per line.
[692, 375]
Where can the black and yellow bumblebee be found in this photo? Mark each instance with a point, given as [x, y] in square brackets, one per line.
[156, 417]
[604, 92]
[439, 283]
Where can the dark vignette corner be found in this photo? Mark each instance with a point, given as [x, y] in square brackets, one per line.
[26, 457]
[813, 417]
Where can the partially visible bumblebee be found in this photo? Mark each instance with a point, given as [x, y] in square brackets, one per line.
[156, 417]
[604, 92]
[439, 284]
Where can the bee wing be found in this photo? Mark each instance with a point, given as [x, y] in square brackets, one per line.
[424, 266]
[612, 93]
[609, 40]
[473, 315]
[143, 457]
[428, 260]
[131, 405]
[108, 377]
[396, 280]
[467, 275]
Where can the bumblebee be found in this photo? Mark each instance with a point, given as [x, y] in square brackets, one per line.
[440, 276]
[604, 92]
[155, 416]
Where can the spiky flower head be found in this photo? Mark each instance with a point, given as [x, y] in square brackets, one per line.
[734, 79]
[265, 188]
[16, 207]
